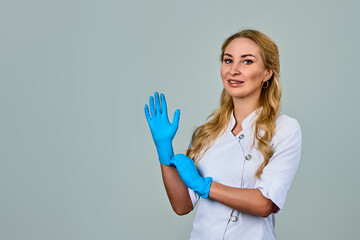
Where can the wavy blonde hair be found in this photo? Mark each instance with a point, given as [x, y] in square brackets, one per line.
[205, 135]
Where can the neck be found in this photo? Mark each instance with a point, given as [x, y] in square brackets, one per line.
[243, 107]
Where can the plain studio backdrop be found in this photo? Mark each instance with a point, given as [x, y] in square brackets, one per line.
[77, 160]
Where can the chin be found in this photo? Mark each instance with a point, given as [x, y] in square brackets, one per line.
[235, 93]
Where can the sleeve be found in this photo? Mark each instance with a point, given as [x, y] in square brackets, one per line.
[193, 195]
[279, 173]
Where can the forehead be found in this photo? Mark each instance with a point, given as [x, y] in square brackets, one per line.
[240, 46]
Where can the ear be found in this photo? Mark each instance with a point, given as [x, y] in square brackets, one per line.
[268, 74]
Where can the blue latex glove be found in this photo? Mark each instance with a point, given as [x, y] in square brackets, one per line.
[161, 129]
[190, 176]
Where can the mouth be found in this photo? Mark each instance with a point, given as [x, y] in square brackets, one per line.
[235, 83]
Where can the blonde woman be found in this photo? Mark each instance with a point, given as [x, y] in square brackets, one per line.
[242, 160]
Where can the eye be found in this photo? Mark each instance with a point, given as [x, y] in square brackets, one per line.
[227, 60]
[247, 62]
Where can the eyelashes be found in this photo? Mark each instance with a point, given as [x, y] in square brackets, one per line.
[248, 62]
[244, 62]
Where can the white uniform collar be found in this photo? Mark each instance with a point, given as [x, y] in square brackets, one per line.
[247, 121]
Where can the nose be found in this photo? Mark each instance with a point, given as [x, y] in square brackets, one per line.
[235, 69]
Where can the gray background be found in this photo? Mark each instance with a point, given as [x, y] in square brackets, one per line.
[77, 159]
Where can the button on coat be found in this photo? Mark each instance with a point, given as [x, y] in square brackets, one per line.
[233, 218]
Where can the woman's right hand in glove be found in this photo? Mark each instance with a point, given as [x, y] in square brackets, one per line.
[161, 129]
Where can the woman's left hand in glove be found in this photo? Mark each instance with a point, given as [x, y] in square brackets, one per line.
[190, 176]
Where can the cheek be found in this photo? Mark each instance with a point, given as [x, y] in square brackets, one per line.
[222, 73]
[256, 75]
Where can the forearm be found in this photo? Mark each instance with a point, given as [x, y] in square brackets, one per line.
[250, 201]
[176, 190]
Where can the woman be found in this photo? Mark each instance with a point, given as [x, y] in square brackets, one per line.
[247, 153]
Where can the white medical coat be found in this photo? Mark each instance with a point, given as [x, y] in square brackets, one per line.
[232, 161]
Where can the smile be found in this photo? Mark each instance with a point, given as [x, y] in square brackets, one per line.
[235, 83]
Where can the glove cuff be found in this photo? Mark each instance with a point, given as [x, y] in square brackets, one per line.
[204, 193]
[165, 152]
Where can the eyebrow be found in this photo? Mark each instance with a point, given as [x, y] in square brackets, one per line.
[245, 55]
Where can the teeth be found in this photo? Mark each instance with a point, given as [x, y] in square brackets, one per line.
[234, 82]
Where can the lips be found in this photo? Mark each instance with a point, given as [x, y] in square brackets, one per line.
[235, 82]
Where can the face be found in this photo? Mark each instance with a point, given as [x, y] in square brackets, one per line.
[242, 69]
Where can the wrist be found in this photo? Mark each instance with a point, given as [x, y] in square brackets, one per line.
[165, 143]
[205, 188]
[165, 152]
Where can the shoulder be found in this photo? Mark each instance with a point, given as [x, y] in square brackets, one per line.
[285, 122]
[287, 126]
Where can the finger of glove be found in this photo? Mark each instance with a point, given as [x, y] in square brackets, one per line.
[152, 107]
[181, 162]
[176, 118]
[177, 158]
[163, 105]
[157, 104]
[187, 172]
[174, 160]
[180, 168]
[181, 157]
[147, 114]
